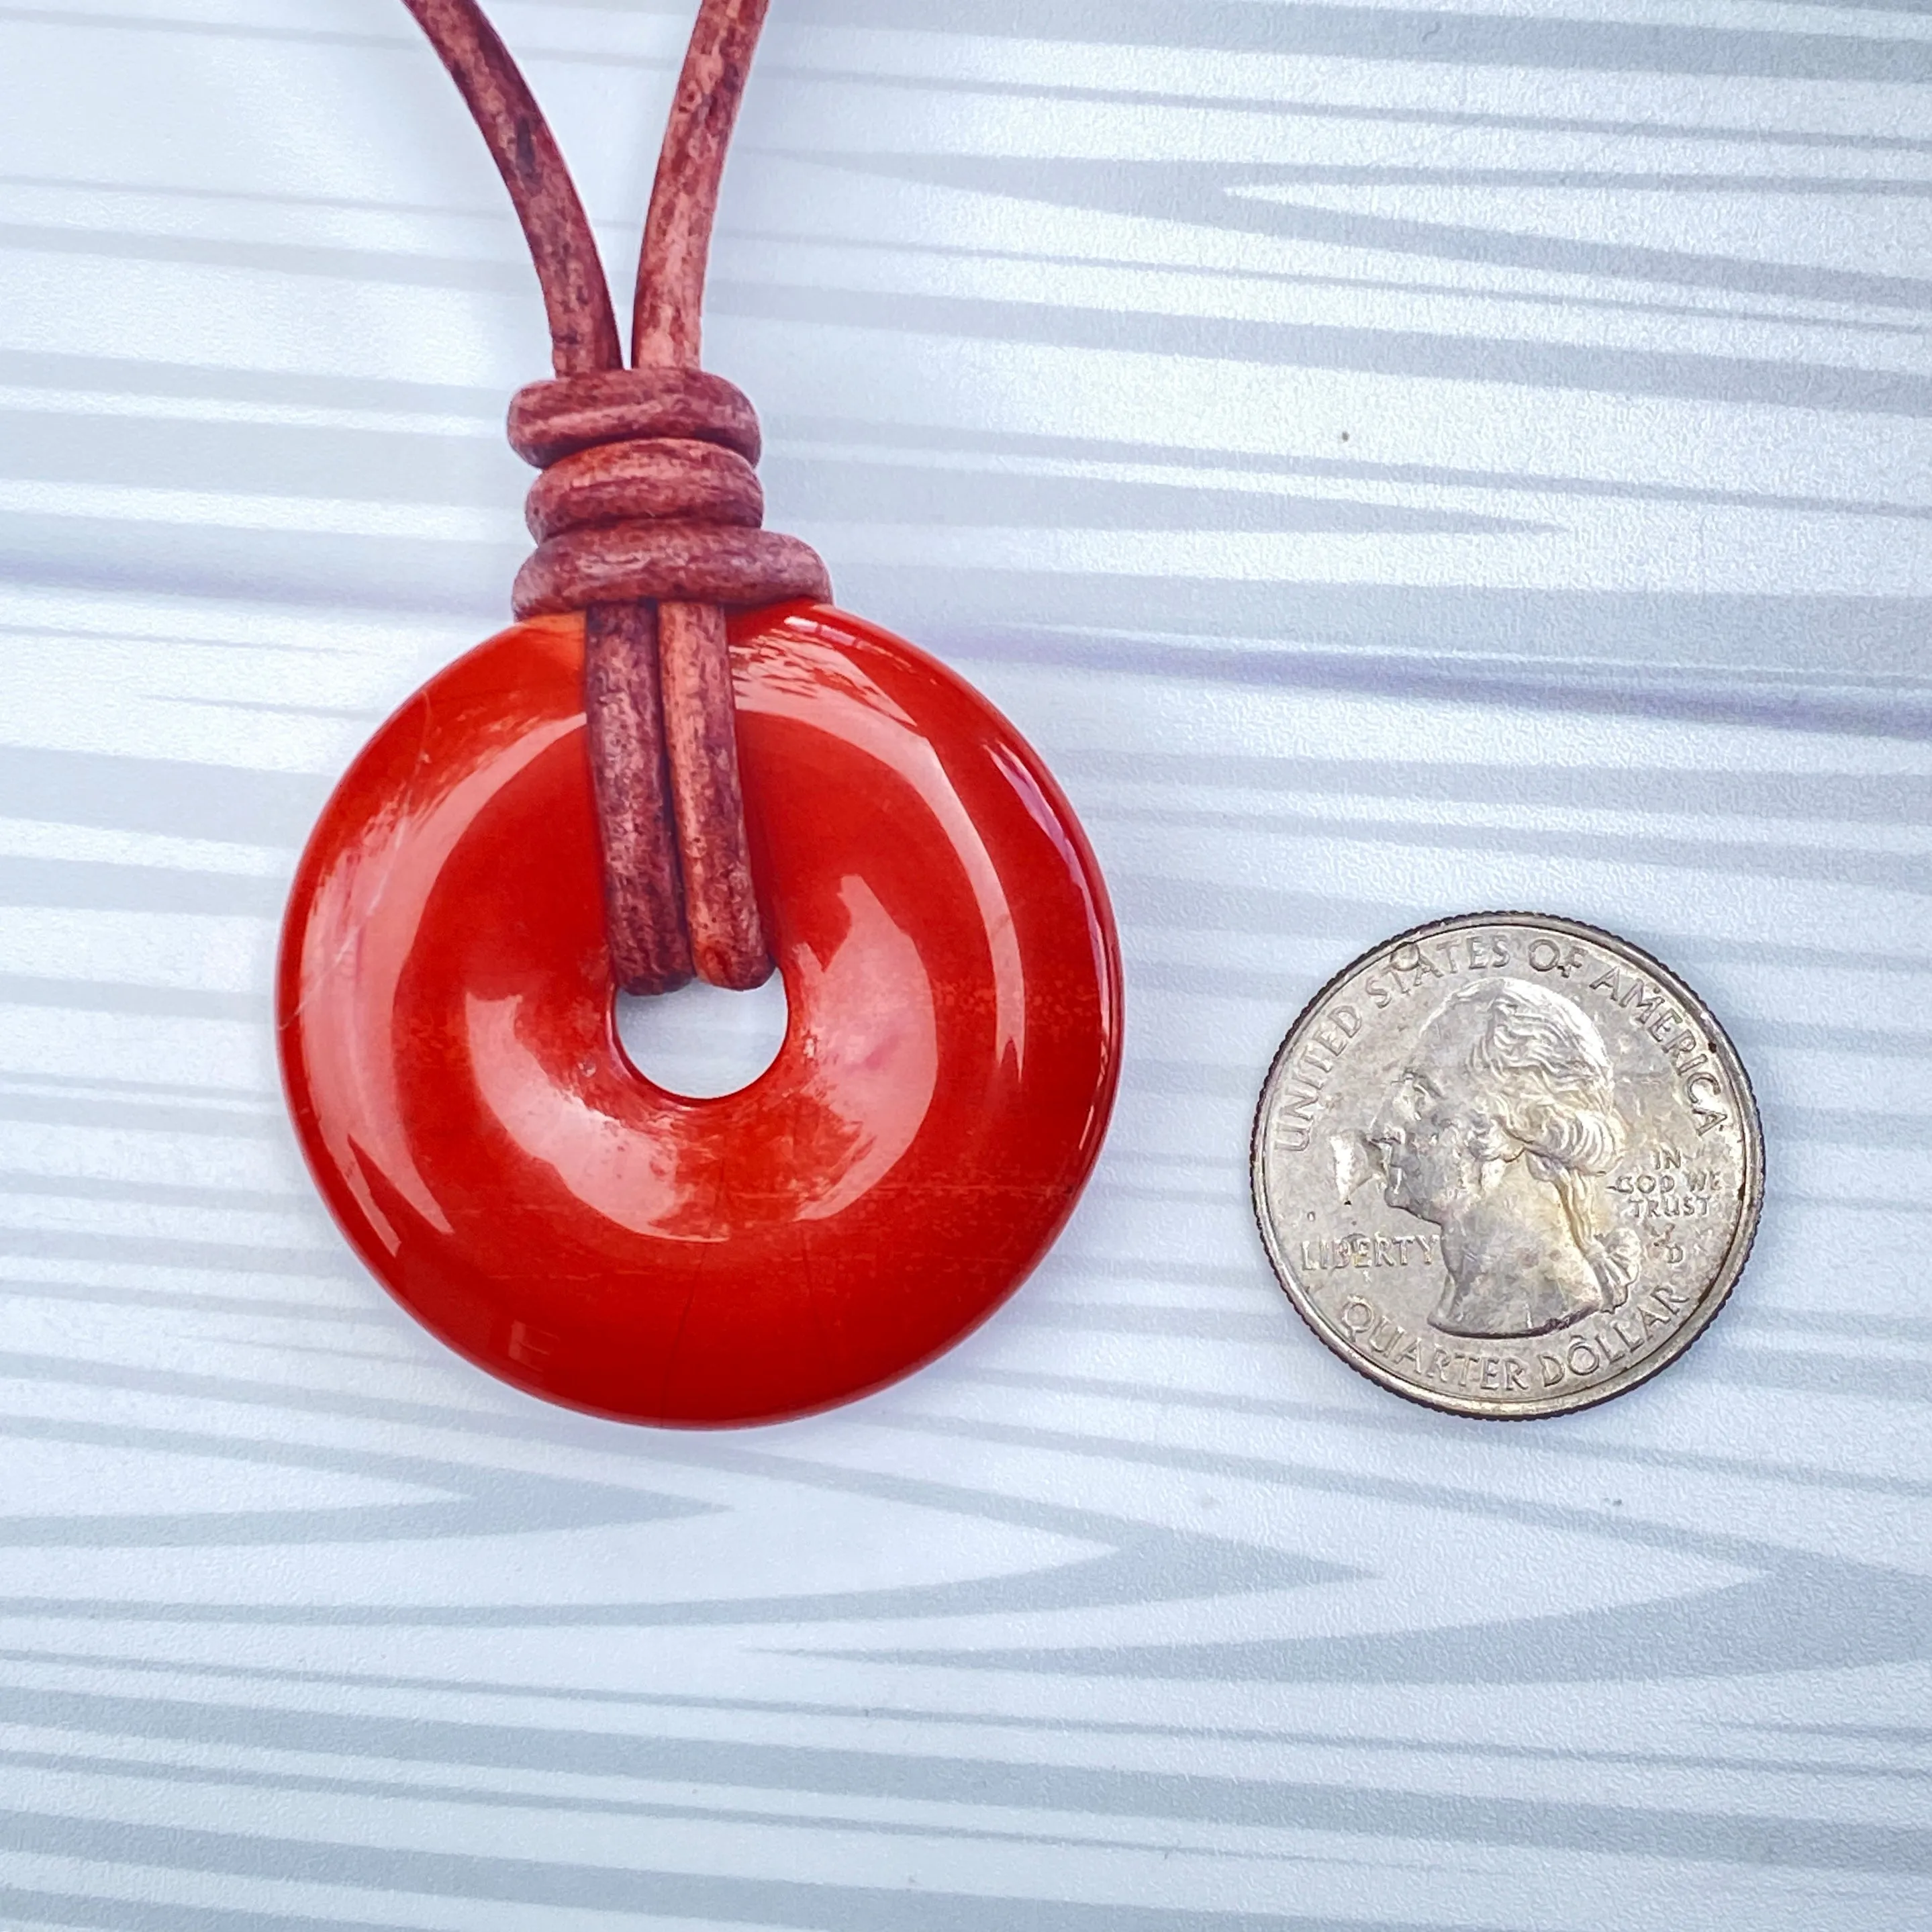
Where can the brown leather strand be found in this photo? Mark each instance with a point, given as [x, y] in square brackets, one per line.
[648, 513]
[550, 420]
[728, 942]
[720, 907]
[621, 482]
[576, 297]
[643, 885]
[666, 319]
[691, 563]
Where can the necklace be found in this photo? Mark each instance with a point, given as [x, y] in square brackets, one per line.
[683, 760]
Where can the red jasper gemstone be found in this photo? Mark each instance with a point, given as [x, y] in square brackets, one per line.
[449, 1043]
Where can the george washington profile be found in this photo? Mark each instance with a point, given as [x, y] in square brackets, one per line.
[1499, 1130]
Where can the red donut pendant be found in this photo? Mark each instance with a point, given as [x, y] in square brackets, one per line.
[448, 1034]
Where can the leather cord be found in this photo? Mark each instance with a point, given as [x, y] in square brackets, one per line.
[648, 512]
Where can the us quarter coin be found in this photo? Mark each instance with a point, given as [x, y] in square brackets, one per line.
[1507, 1164]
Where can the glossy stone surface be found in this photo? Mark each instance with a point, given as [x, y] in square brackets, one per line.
[452, 1061]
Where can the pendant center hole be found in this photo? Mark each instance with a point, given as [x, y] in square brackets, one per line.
[701, 1041]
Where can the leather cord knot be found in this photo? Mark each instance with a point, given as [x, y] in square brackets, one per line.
[648, 514]
[648, 492]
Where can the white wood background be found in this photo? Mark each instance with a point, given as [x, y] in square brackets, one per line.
[1394, 459]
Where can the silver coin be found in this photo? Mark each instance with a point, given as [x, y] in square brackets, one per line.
[1507, 1164]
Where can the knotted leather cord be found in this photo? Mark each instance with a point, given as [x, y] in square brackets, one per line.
[647, 514]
